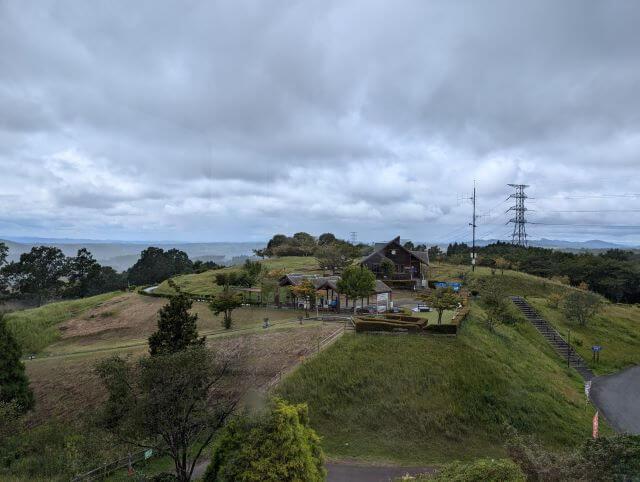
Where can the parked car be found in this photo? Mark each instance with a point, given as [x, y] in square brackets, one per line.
[421, 308]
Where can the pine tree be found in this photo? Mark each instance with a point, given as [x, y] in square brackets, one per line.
[14, 384]
[177, 328]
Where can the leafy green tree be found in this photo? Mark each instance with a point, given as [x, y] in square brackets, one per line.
[14, 385]
[39, 272]
[4, 253]
[441, 299]
[225, 302]
[335, 256]
[409, 245]
[156, 265]
[253, 271]
[388, 268]
[581, 306]
[356, 282]
[307, 291]
[326, 238]
[434, 253]
[173, 403]
[177, 329]
[84, 274]
[502, 264]
[279, 446]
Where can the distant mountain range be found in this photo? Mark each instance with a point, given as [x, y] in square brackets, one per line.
[563, 244]
[121, 255]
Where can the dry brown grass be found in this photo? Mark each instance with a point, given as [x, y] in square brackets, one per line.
[67, 387]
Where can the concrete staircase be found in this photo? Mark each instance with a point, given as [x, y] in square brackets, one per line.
[558, 343]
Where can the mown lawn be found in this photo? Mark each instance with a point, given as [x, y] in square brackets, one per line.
[422, 399]
[204, 283]
[36, 328]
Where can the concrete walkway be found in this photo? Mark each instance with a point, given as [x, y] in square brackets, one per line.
[617, 397]
[348, 472]
[345, 472]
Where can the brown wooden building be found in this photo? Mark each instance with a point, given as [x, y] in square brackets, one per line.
[408, 264]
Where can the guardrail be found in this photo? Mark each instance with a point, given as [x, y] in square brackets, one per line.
[108, 468]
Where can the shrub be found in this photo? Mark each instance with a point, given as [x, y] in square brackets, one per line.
[481, 470]
[441, 329]
[277, 446]
[363, 326]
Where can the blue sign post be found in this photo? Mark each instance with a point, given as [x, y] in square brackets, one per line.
[596, 349]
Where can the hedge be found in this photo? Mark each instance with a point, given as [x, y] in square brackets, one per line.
[367, 326]
[395, 316]
[407, 284]
[441, 329]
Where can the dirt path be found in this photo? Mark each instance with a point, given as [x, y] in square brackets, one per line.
[617, 397]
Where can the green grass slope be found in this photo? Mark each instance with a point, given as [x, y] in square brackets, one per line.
[616, 327]
[420, 399]
[204, 283]
[37, 327]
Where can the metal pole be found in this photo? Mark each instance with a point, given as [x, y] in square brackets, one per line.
[473, 229]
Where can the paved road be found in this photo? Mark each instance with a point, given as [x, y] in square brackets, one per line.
[618, 399]
[341, 472]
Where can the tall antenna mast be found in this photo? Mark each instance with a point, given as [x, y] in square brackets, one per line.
[473, 229]
[519, 236]
[354, 237]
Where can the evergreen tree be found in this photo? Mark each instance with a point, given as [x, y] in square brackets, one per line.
[177, 328]
[14, 384]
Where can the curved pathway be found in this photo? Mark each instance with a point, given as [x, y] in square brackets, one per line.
[617, 397]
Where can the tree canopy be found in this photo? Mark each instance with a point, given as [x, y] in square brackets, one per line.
[441, 299]
[357, 282]
[14, 385]
[173, 403]
[279, 446]
[177, 329]
[156, 265]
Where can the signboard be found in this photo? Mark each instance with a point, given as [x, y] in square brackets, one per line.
[596, 348]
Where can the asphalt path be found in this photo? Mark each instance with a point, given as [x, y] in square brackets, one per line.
[343, 472]
[347, 472]
[617, 397]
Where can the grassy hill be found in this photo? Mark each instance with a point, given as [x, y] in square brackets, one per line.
[411, 399]
[420, 399]
[37, 327]
[204, 283]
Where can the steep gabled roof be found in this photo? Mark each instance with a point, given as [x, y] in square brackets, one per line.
[378, 249]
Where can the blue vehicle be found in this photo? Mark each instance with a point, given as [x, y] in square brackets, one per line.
[454, 285]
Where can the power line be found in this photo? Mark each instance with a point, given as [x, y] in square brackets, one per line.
[612, 226]
[591, 211]
[519, 235]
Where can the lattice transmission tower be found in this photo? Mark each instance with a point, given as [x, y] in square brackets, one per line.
[519, 236]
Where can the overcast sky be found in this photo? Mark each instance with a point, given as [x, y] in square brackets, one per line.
[217, 121]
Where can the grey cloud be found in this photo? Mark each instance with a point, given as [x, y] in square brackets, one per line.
[266, 116]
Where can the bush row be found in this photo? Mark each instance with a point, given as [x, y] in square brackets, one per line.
[464, 311]
[406, 284]
[388, 326]
[441, 329]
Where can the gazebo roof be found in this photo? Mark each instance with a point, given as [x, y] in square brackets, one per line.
[325, 282]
